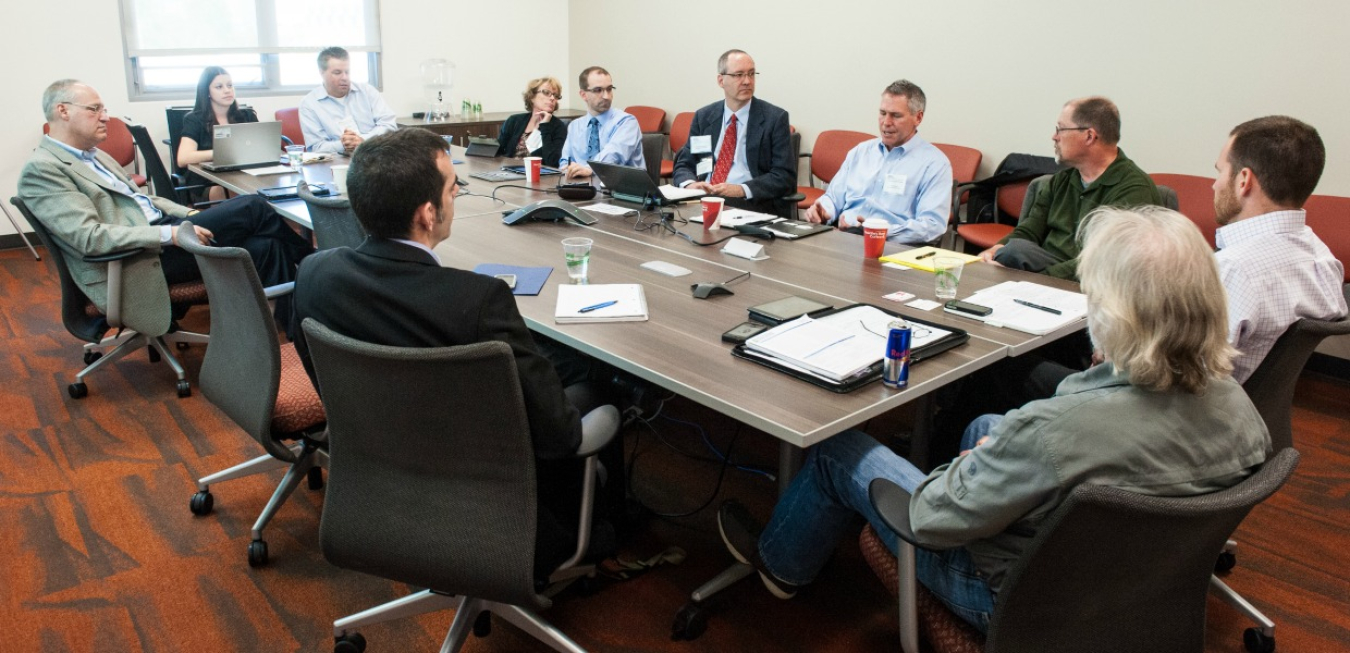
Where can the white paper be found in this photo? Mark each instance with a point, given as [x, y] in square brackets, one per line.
[534, 141]
[609, 209]
[735, 217]
[923, 304]
[700, 144]
[630, 306]
[672, 193]
[1009, 314]
[270, 170]
[819, 347]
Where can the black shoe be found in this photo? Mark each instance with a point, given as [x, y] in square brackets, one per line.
[740, 533]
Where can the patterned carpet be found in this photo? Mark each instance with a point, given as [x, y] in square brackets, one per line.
[102, 554]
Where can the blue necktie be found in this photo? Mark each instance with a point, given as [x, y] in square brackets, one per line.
[593, 139]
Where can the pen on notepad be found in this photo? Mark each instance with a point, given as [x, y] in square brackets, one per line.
[1038, 307]
[924, 256]
[596, 307]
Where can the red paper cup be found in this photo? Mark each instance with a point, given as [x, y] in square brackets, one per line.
[874, 237]
[532, 164]
[712, 210]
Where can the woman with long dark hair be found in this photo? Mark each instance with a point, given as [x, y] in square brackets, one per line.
[215, 105]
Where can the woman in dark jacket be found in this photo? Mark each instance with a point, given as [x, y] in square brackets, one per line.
[517, 134]
[215, 105]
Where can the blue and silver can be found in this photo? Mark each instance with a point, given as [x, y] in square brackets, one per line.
[895, 367]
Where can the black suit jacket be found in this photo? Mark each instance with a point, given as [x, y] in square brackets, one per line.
[554, 133]
[768, 144]
[389, 293]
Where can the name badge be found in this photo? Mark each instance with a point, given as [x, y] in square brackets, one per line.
[895, 185]
[534, 141]
[700, 144]
[703, 167]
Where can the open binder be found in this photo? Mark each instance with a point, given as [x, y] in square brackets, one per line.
[842, 350]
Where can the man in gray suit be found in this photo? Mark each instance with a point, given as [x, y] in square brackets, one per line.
[91, 208]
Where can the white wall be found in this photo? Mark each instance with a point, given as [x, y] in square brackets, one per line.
[996, 73]
[41, 47]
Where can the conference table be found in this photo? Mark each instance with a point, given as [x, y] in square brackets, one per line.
[680, 348]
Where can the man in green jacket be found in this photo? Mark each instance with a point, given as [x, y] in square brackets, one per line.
[1099, 174]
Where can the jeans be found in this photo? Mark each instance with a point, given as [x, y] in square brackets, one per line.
[826, 500]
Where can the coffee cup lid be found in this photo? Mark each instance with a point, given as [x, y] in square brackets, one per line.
[875, 223]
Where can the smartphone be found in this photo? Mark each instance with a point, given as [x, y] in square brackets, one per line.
[510, 280]
[967, 307]
[743, 331]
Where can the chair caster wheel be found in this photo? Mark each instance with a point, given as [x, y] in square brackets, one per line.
[349, 643]
[690, 622]
[257, 553]
[202, 503]
[182, 346]
[91, 356]
[154, 354]
[315, 478]
[184, 388]
[77, 390]
[482, 625]
[1258, 642]
[1227, 560]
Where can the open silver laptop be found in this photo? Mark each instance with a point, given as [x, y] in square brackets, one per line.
[245, 145]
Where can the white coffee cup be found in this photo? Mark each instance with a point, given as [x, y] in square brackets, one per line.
[340, 179]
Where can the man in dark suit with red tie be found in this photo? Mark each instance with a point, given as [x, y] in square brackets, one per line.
[740, 148]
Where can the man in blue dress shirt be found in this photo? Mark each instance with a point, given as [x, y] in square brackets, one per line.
[339, 115]
[899, 177]
[605, 134]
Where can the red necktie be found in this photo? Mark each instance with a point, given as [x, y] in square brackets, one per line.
[725, 154]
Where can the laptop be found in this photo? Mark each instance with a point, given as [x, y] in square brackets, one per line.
[634, 185]
[245, 145]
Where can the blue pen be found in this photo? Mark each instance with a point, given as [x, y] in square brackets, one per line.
[599, 306]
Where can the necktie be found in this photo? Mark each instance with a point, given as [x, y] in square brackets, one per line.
[593, 139]
[725, 154]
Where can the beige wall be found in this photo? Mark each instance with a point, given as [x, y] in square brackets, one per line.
[996, 73]
[39, 51]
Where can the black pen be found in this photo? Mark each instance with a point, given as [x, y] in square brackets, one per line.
[596, 307]
[1047, 309]
[924, 256]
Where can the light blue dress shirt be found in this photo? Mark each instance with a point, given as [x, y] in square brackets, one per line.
[321, 113]
[909, 186]
[152, 214]
[620, 140]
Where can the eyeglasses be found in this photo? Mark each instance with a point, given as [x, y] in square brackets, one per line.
[1059, 129]
[550, 94]
[601, 90]
[96, 109]
[739, 76]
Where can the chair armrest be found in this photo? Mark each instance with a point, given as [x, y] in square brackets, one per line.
[794, 198]
[804, 155]
[892, 504]
[598, 428]
[272, 292]
[285, 140]
[114, 256]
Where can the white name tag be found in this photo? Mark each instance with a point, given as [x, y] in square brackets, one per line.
[895, 185]
[703, 167]
[700, 144]
[534, 141]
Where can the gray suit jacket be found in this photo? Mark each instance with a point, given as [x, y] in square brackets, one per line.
[88, 218]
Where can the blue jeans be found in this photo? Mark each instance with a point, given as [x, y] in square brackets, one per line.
[825, 500]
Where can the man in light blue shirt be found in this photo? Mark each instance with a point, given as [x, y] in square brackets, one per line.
[339, 115]
[899, 177]
[604, 134]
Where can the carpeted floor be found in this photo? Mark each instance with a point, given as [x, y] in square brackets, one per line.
[100, 552]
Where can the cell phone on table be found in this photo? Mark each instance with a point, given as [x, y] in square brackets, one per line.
[967, 307]
[510, 280]
[743, 331]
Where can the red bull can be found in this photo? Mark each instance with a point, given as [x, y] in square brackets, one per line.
[895, 367]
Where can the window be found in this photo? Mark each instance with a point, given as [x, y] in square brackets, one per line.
[267, 45]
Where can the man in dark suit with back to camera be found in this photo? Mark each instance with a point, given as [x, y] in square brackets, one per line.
[739, 148]
[393, 290]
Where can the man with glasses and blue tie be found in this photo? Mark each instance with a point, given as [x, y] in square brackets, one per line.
[1098, 174]
[89, 205]
[740, 148]
[604, 134]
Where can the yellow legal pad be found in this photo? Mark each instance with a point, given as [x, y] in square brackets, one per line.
[921, 258]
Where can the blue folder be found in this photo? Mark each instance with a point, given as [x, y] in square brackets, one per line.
[529, 281]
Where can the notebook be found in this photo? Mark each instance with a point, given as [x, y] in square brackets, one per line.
[736, 217]
[612, 302]
[635, 185]
[244, 145]
[922, 258]
[1053, 308]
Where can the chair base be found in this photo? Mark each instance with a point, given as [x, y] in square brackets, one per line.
[129, 341]
[467, 610]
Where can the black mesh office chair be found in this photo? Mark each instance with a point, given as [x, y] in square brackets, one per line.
[1109, 570]
[334, 223]
[161, 182]
[255, 380]
[84, 321]
[433, 486]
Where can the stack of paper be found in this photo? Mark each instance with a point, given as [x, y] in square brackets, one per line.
[615, 302]
[1041, 309]
[922, 258]
[820, 348]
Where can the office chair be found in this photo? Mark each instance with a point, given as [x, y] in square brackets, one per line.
[679, 135]
[1195, 199]
[120, 146]
[19, 230]
[173, 117]
[84, 320]
[1011, 199]
[1108, 570]
[256, 381]
[650, 119]
[334, 223]
[827, 156]
[161, 182]
[290, 125]
[439, 493]
[1327, 217]
[965, 163]
[652, 147]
